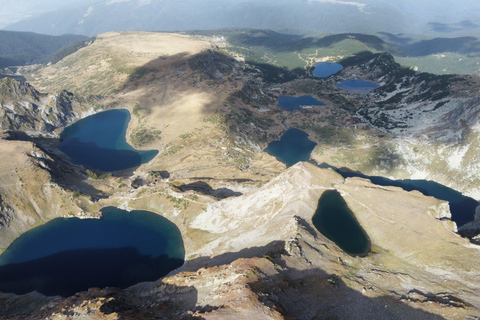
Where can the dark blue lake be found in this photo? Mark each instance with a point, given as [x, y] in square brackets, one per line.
[336, 221]
[461, 207]
[293, 146]
[290, 103]
[325, 69]
[357, 86]
[99, 142]
[69, 255]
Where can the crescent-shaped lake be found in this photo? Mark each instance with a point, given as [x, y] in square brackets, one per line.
[99, 142]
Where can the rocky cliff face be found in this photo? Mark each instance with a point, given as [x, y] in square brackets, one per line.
[28, 196]
[23, 108]
[6, 215]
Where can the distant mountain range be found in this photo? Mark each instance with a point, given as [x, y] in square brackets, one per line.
[21, 48]
[301, 16]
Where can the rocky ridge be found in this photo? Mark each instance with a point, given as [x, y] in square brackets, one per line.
[23, 108]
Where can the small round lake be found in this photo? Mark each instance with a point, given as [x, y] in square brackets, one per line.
[98, 142]
[325, 69]
[336, 221]
[69, 255]
[357, 86]
[291, 104]
[293, 146]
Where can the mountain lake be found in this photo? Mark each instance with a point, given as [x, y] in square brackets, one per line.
[291, 104]
[336, 221]
[293, 146]
[99, 142]
[69, 255]
[325, 69]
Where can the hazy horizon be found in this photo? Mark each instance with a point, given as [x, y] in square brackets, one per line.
[89, 17]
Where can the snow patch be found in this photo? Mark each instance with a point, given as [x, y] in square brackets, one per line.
[456, 159]
[89, 12]
[10, 107]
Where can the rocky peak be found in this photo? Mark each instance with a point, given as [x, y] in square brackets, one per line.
[22, 107]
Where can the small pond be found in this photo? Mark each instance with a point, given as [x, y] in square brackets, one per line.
[357, 86]
[325, 69]
[99, 142]
[69, 255]
[291, 104]
[336, 221]
[293, 146]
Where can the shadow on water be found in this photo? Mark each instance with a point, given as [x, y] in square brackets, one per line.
[68, 255]
[90, 156]
[461, 207]
[336, 221]
[67, 273]
[14, 77]
[70, 177]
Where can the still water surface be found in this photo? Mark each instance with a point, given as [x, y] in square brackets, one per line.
[68, 255]
[99, 142]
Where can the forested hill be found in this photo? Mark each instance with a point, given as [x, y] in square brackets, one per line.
[20, 48]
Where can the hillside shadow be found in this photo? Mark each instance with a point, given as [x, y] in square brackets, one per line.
[307, 293]
[204, 188]
[59, 166]
[452, 27]
[315, 294]
[461, 45]
[127, 306]
[14, 77]
[229, 257]
[208, 72]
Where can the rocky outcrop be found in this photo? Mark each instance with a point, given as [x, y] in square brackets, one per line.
[6, 214]
[22, 107]
[28, 195]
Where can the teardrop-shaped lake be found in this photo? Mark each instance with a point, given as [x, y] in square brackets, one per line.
[336, 221]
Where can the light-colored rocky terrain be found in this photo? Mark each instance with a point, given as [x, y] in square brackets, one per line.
[251, 249]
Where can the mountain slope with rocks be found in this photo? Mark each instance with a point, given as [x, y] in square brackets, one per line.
[251, 248]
